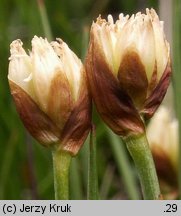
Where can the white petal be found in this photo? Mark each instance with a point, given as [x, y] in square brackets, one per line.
[143, 32]
[45, 65]
[161, 45]
[106, 36]
[71, 66]
[146, 45]
[20, 68]
[125, 37]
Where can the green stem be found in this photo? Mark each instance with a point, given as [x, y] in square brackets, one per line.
[139, 149]
[92, 169]
[61, 165]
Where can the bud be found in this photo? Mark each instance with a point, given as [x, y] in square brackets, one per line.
[128, 67]
[163, 137]
[50, 92]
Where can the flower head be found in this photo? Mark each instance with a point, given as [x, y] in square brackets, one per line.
[163, 137]
[50, 91]
[162, 133]
[129, 62]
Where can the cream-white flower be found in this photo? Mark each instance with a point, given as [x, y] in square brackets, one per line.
[128, 68]
[141, 33]
[34, 72]
[163, 137]
[20, 68]
[49, 87]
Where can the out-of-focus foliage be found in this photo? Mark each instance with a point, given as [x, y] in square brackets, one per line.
[25, 166]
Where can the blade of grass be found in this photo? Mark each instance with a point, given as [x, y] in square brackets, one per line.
[92, 193]
[83, 155]
[75, 181]
[45, 184]
[7, 162]
[106, 182]
[44, 19]
[31, 167]
[177, 70]
[123, 164]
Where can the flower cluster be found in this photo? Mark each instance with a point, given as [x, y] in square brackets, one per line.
[128, 70]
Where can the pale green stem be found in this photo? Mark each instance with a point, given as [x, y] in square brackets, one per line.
[139, 149]
[61, 166]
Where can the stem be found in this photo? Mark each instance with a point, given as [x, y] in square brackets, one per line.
[61, 165]
[92, 169]
[139, 149]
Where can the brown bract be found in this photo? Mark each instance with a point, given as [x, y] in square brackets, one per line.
[154, 100]
[37, 122]
[132, 77]
[78, 124]
[113, 104]
[133, 80]
[70, 136]
[60, 100]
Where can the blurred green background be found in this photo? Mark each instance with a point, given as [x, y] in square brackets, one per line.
[25, 166]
